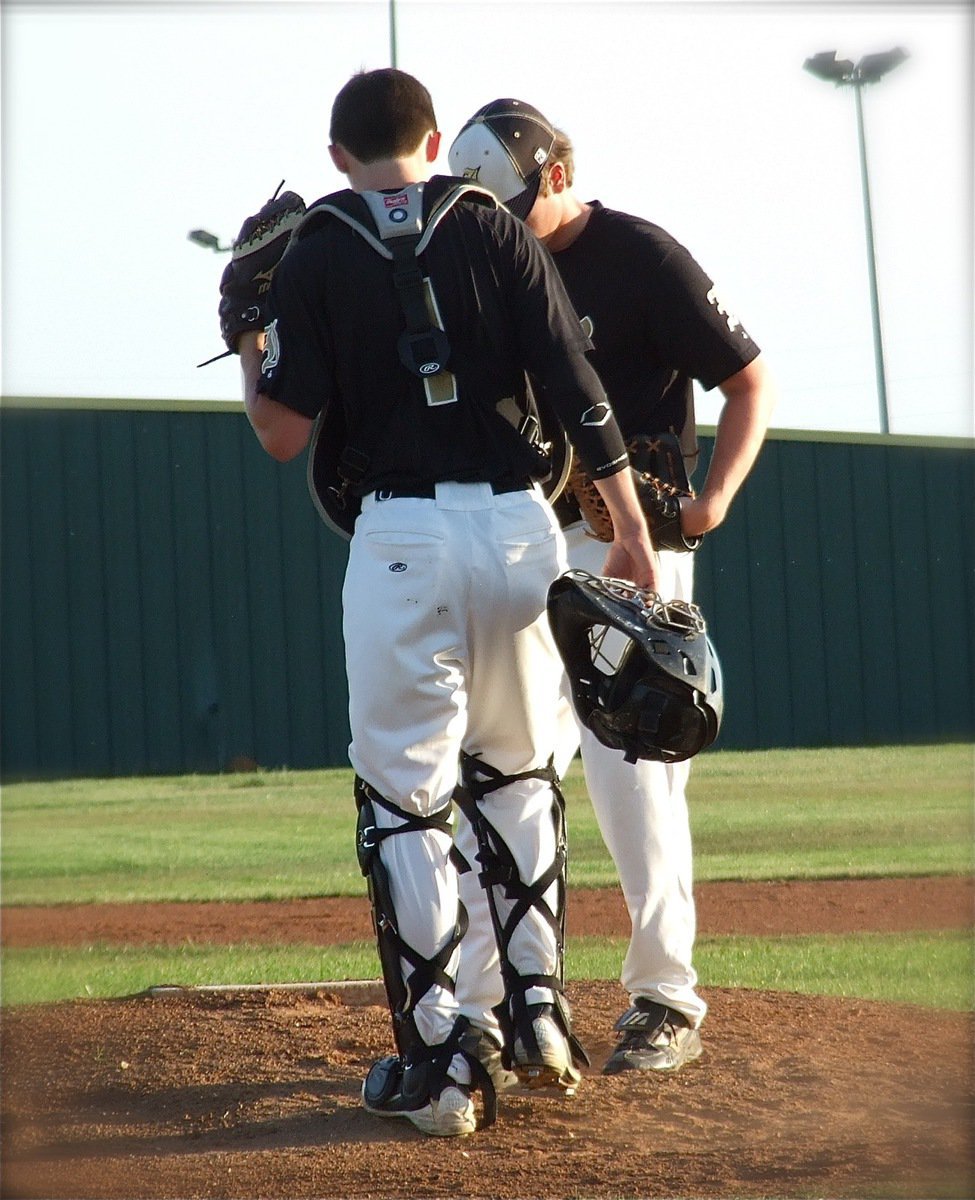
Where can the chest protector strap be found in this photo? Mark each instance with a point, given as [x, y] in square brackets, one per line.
[398, 232]
[393, 224]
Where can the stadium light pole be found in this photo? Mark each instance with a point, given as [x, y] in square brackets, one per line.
[843, 73]
[392, 33]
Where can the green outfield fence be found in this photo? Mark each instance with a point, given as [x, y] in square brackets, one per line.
[171, 601]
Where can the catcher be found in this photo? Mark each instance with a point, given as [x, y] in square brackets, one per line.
[414, 307]
[657, 324]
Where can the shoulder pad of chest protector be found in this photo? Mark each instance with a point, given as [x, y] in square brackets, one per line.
[434, 198]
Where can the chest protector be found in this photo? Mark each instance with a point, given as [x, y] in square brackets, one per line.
[393, 224]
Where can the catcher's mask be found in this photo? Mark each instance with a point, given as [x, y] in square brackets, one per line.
[645, 676]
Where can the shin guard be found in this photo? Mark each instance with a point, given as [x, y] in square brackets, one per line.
[499, 876]
[402, 992]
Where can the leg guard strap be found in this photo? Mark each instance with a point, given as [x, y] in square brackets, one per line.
[402, 994]
[498, 863]
[500, 871]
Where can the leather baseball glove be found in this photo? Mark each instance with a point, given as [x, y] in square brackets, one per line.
[661, 480]
[254, 257]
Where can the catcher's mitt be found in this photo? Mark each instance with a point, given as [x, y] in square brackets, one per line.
[254, 257]
[661, 480]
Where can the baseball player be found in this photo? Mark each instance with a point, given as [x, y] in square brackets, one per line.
[657, 323]
[404, 315]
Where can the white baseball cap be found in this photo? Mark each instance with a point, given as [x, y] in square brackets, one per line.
[504, 147]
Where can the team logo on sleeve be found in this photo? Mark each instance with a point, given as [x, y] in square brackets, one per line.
[599, 414]
[272, 349]
[733, 323]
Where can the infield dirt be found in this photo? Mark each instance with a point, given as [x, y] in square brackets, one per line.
[256, 1094]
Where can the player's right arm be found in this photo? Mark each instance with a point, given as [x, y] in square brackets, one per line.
[282, 431]
[631, 555]
[742, 424]
[557, 347]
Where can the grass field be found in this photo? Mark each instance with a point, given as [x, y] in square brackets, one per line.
[933, 969]
[799, 814]
[271, 835]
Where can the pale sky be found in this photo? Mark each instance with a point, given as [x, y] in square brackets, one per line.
[127, 124]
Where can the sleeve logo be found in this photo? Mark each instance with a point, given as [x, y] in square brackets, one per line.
[598, 415]
[733, 322]
[272, 349]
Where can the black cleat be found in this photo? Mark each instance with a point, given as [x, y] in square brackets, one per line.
[652, 1037]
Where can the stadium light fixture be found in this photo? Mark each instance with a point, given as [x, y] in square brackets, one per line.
[209, 241]
[827, 66]
[842, 72]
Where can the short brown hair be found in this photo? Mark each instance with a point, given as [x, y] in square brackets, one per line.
[382, 114]
[562, 152]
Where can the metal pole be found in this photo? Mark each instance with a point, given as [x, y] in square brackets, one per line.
[392, 33]
[878, 344]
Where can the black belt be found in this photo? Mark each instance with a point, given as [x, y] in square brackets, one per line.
[428, 491]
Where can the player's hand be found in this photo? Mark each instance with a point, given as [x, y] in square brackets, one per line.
[699, 515]
[633, 557]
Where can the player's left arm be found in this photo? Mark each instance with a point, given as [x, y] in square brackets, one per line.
[282, 432]
[749, 398]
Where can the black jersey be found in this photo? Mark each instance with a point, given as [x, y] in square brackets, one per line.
[655, 319]
[336, 320]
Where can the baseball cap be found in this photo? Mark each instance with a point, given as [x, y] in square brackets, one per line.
[503, 147]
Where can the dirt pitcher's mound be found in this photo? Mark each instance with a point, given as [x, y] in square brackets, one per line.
[256, 1095]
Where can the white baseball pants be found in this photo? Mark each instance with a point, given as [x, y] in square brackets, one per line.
[448, 648]
[641, 809]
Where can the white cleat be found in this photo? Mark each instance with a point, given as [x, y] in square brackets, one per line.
[450, 1115]
[550, 1066]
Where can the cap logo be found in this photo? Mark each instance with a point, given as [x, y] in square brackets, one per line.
[540, 156]
[471, 172]
[396, 201]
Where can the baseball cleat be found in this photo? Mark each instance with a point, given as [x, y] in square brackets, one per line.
[547, 1064]
[653, 1037]
[450, 1115]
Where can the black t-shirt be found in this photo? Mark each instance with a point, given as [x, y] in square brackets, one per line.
[336, 320]
[655, 319]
